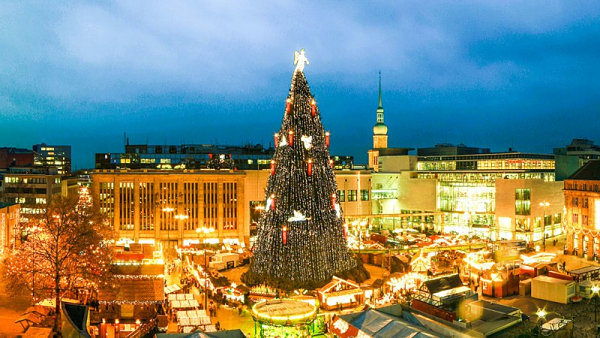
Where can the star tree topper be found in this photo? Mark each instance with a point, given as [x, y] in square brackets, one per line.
[299, 60]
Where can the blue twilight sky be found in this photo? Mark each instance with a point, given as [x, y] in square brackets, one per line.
[499, 74]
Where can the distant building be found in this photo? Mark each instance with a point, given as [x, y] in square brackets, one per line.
[53, 157]
[445, 149]
[574, 156]
[15, 157]
[187, 156]
[34, 190]
[582, 204]
[9, 226]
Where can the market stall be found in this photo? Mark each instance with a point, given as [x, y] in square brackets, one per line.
[340, 294]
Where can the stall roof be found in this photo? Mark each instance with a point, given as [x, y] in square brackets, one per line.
[439, 284]
[378, 324]
[139, 270]
[585, 269]
[547, 279]
[149, 290]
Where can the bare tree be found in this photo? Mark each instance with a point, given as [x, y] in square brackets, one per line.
[68, 244]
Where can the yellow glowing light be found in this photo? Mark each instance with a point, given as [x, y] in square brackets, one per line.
[541, 313]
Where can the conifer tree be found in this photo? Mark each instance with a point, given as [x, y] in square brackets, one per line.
[301, 241]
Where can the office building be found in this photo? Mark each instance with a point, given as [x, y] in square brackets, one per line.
[34, 189]
[582, 205]
[574, 156]
[9, 226]
[53, 157]
[187, 156]
[168, 206]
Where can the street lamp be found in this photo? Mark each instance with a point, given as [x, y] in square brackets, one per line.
[544, 205]
[595, 290]
[206, 231]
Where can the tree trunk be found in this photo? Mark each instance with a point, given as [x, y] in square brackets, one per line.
[57, 305]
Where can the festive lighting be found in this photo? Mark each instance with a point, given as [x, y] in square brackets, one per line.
[288, 105]
[313, 107]
[276, 139]
[307, 141]
[327, 135]
[272, 167]
[314, 248]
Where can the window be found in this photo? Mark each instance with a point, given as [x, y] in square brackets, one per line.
[557, 218]
[351, 195]
[522, 202]
[575, 218]
[584, 220]
[575, 202]
[364, 195]
[585, 202]
[341, 196]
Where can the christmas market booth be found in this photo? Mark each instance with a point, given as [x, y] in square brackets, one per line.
[340, 294]
[284, 318]
[134, 299]
[501, 281]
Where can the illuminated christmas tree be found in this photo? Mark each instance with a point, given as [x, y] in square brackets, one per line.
[301, 239]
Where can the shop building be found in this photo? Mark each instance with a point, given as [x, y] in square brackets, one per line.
[582, 205]
[169, 205]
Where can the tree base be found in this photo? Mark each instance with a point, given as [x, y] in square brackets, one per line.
[358, 274]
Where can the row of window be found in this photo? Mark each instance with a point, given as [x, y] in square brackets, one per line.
[584, 219]
[582, 187]
[584, 202]
[352, 195]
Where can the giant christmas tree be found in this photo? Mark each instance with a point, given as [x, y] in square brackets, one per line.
[301, 239]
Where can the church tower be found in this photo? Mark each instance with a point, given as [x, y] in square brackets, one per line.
[380, 129]
[380, 136]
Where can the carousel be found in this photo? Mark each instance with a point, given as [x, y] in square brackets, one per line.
[283, 318]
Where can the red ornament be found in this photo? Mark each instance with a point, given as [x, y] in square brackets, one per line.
[273, 202]
[272, 167]
[288, 105]
[333, 201]
[210, 156]
[309, 167]
[284, 234]
[313, 107]
[276, 138]
[291, 137]
[327, 139]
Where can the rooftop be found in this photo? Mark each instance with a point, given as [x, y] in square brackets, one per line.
[590, 171]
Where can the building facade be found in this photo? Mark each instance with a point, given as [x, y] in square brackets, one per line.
[187, 156]
[9, 226]
[470, 191]
[34, 190]
[582, 205]
[148, 205]
[53, 157]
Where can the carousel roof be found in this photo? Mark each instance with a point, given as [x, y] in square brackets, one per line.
[284, 311]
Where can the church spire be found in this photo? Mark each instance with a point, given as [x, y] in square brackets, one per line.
[380, 106]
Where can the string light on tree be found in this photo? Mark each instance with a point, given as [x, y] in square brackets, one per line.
[306, 249]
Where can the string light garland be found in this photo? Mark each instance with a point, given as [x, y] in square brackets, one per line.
[293, 252]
